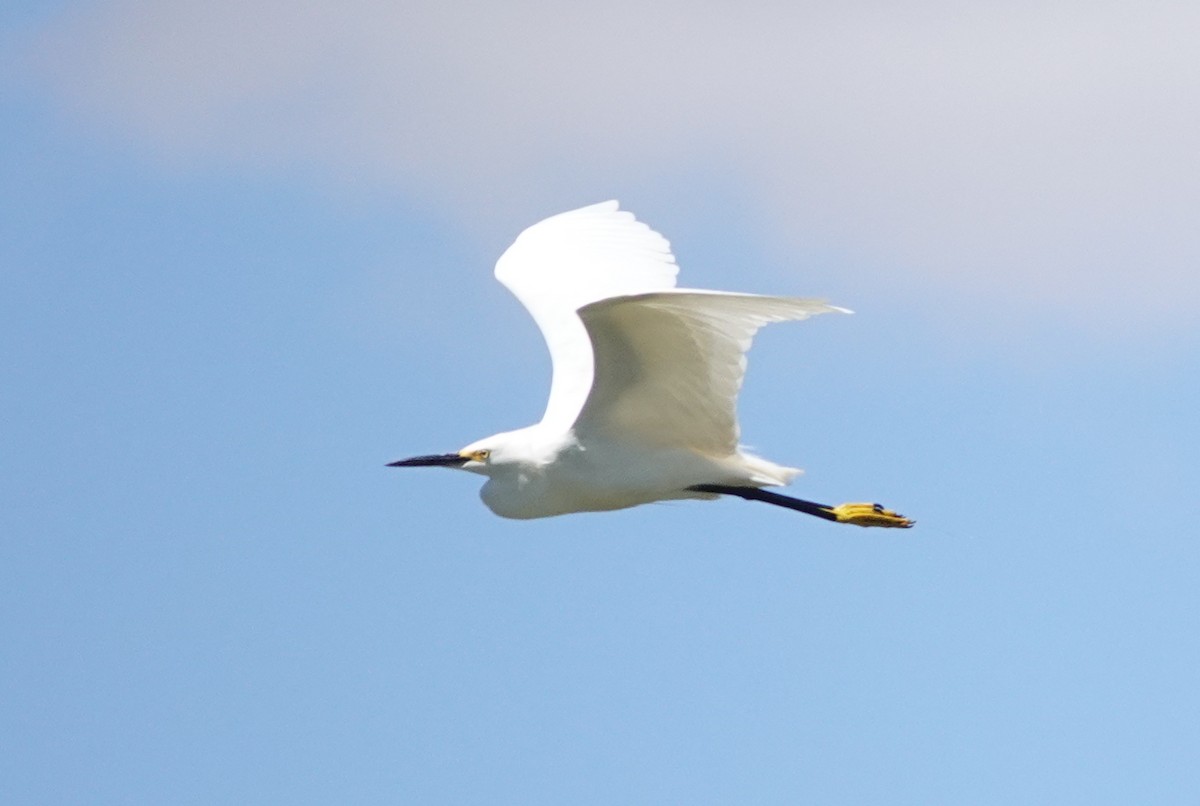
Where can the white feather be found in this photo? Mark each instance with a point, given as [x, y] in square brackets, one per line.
[643, 400]
[565, 262]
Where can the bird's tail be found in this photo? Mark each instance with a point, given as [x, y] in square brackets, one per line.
[763, 472]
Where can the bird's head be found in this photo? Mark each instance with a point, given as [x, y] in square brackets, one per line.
[472, 458]
[484, 456]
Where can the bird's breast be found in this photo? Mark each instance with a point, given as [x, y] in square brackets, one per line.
[580, 480]
[523, 495]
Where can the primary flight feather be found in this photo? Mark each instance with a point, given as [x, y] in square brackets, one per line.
[645, 380]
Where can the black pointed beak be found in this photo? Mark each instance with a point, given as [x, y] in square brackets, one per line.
[433, 460]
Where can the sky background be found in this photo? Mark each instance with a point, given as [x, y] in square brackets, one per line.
[245, 260]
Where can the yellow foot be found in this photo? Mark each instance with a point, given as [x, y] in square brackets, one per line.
[870, 515]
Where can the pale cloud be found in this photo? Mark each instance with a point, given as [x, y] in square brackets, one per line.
[1024, 157]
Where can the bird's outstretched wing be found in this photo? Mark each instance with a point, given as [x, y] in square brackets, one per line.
[669, 364]
[568, 261]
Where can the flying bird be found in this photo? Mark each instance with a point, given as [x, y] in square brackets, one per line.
[645, 380]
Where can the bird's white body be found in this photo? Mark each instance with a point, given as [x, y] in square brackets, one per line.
[534, 473]
[646, 375]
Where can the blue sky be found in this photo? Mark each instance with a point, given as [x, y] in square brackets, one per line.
[245, 260]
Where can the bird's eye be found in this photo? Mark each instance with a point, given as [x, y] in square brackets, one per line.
[481, 456]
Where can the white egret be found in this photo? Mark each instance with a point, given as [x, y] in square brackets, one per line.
[645, 380]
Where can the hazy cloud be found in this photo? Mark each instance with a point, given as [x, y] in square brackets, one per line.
[1022, 155]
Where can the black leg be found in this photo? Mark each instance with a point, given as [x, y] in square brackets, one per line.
[757, 494]
[857, 514]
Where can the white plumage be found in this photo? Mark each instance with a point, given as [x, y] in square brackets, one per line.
[644, 392]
